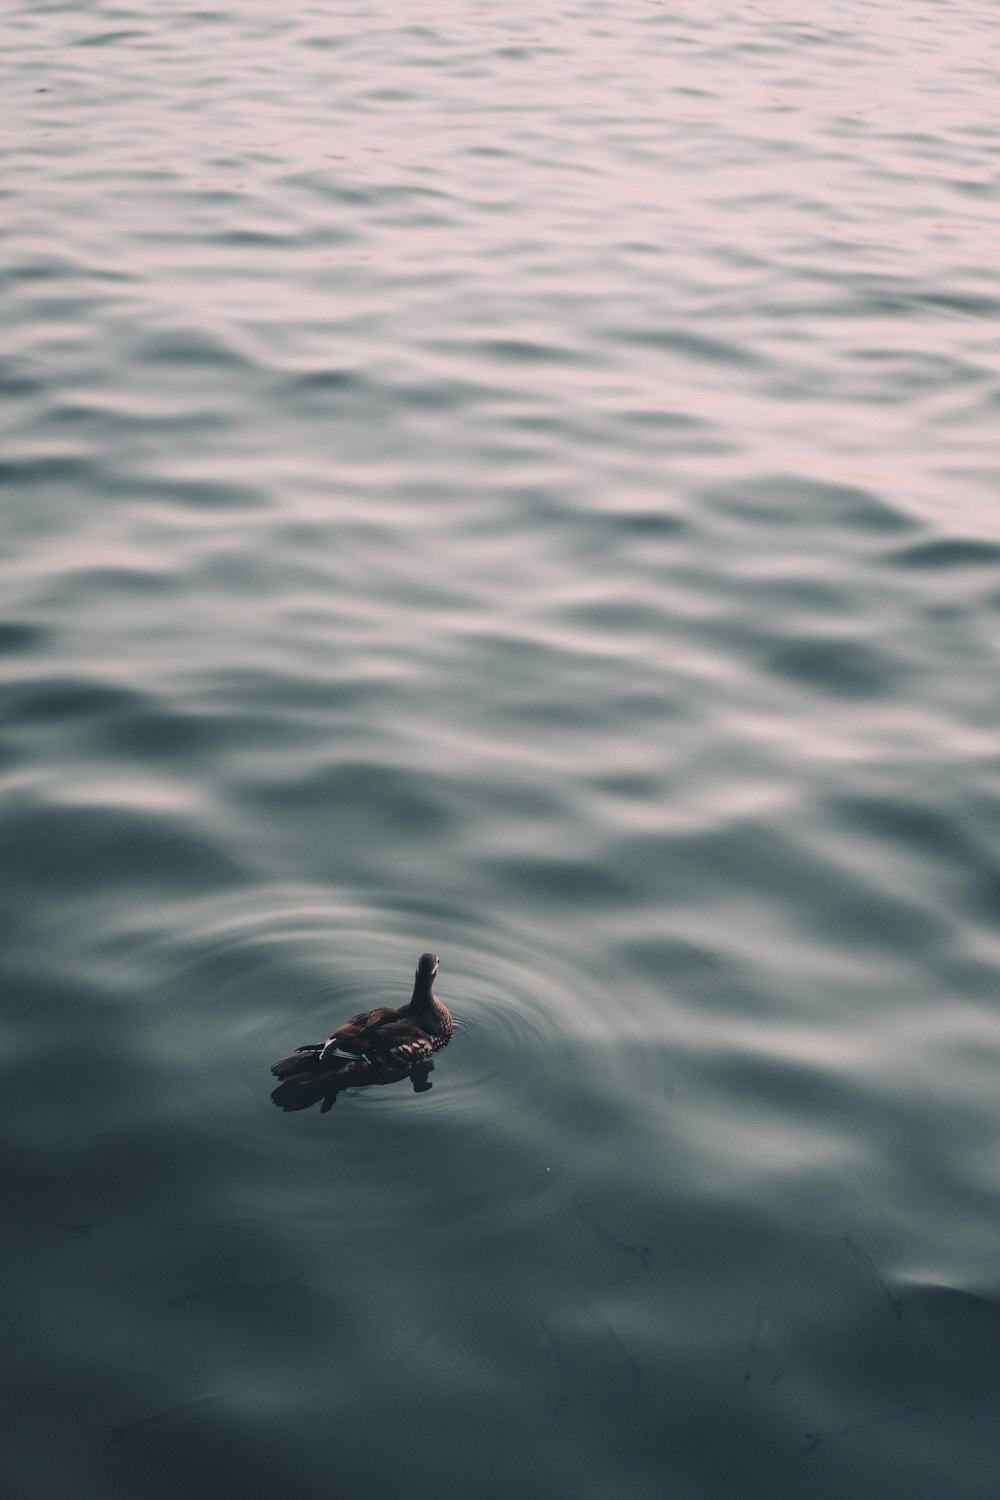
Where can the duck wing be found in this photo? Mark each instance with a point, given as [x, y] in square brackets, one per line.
[400, 1041]
[369, 1019]
[357, 1034]
[352, 1037]
[385, 1037]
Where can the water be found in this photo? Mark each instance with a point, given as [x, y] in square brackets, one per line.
[522, 483]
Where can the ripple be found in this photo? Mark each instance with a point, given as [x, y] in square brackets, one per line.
[55, 699]
[447, 511]
[842, 669]
[23, 388]
[393, 796]
[187, 346]
[802, 502]
[942, 553]
[20, 637]
[248, 981]
[79, 850]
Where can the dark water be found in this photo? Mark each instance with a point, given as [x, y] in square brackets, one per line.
[521, 482]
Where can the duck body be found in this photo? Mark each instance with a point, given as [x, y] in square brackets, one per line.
[377, 1041]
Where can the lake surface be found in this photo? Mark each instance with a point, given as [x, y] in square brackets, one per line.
[521, 482]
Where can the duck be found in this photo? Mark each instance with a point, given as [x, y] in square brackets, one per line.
[377, 1042]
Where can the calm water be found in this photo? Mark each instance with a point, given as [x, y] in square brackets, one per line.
[523, 482]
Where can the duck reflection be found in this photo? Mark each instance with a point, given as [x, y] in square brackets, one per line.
[323, 1091]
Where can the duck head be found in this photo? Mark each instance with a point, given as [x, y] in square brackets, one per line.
[423, 981]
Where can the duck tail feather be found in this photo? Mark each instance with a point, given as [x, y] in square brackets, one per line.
[298, 1063]
[309, 1069]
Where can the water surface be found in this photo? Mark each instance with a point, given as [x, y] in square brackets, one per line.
[519, 483]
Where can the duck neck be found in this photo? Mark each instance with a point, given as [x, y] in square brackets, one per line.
[423, 994]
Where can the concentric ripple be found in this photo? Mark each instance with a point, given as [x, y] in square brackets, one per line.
[252, 977]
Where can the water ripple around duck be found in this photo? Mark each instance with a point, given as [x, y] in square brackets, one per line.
[291, 964]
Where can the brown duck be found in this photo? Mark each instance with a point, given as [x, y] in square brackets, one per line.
[377, 1041]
